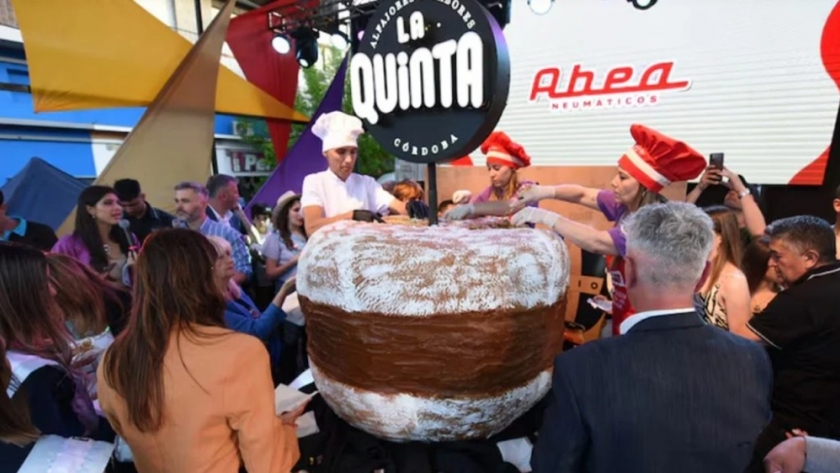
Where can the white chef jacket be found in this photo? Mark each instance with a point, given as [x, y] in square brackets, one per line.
[326, 190]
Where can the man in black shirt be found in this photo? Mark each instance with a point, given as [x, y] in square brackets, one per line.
[142, 217]
[801, 328]
[20, 230]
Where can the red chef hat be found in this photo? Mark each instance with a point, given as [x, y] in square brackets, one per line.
[501, 150]
[657, 160]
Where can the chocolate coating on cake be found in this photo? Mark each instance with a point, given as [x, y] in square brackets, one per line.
[470, 354]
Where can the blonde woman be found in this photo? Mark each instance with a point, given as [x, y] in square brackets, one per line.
[504, 159]
[242, 314]
[724, 299]
[655, 161]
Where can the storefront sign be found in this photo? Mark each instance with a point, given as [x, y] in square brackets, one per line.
[431, 78]
[244, 162]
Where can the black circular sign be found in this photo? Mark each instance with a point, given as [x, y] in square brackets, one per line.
[430, 79]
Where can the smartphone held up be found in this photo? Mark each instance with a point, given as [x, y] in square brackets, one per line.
[716, 162]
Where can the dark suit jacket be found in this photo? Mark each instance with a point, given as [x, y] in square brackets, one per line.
[37, 235]
[673, 395]
[235, 223]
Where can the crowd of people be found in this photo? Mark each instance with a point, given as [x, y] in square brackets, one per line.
[170, 332]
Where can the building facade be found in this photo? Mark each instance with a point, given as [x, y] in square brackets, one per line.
[82, 143]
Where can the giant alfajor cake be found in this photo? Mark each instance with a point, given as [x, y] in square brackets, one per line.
[432, 333]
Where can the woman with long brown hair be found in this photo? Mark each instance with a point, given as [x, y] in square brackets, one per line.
[281, 251]
[186, 393]
[724, 299]
[97, 239]
[39, 381]
[16, 428]
[91, 306]
[762, 280]
[283, 246]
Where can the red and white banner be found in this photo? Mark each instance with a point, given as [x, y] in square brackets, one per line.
[755, 79]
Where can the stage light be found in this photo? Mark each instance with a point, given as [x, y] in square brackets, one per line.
[281, 44]
[339, 40]
[643, 4]
[306, 46]
[540, 7]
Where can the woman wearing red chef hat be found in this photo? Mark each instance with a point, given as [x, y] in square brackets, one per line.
[504, 158]
[654, 162]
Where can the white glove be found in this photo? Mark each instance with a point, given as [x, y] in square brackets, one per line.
[461, 197]
[460, 212]
[532, 194]
[535, 215]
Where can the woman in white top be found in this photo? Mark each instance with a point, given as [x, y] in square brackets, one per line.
[334, 194]
[283, 246]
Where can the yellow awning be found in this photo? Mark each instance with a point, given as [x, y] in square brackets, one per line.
[112, 53]
[174, 140]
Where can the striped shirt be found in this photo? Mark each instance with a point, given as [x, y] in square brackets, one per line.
[241, 257]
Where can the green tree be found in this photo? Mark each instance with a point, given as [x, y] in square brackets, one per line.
[373, 159]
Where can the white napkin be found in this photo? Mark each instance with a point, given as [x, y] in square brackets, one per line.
[303, 379]
[287, 399]
[56, 454]
[306, 425]
[517, 452]
[291, 306]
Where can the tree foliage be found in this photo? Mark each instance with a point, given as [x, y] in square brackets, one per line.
[373, 159]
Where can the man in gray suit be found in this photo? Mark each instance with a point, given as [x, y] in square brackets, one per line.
[671, 394]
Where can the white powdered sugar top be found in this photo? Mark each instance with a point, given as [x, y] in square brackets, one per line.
[405, 417]
[420, 271]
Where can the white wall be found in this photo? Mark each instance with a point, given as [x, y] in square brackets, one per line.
[759, 90]
[164, 10]
[8, 33]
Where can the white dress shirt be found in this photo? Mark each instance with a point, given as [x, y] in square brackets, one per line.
[223, 219]
[629, 322]
[325, 189]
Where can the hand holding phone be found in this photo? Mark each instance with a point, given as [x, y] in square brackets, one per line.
[716, 161]
[713, 173]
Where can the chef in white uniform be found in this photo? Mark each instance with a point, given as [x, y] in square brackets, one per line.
[333, 195]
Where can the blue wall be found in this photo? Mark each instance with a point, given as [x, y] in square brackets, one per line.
[67, 148]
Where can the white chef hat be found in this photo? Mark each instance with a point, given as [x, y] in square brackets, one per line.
[337, 130]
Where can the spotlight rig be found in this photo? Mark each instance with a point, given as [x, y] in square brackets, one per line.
[301, 22]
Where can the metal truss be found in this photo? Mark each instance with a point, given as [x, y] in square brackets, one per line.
[325, 17]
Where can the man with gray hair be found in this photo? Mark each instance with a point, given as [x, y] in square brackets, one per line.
[191, 199]
[671, 393]
[223, 203]
[801, 328]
